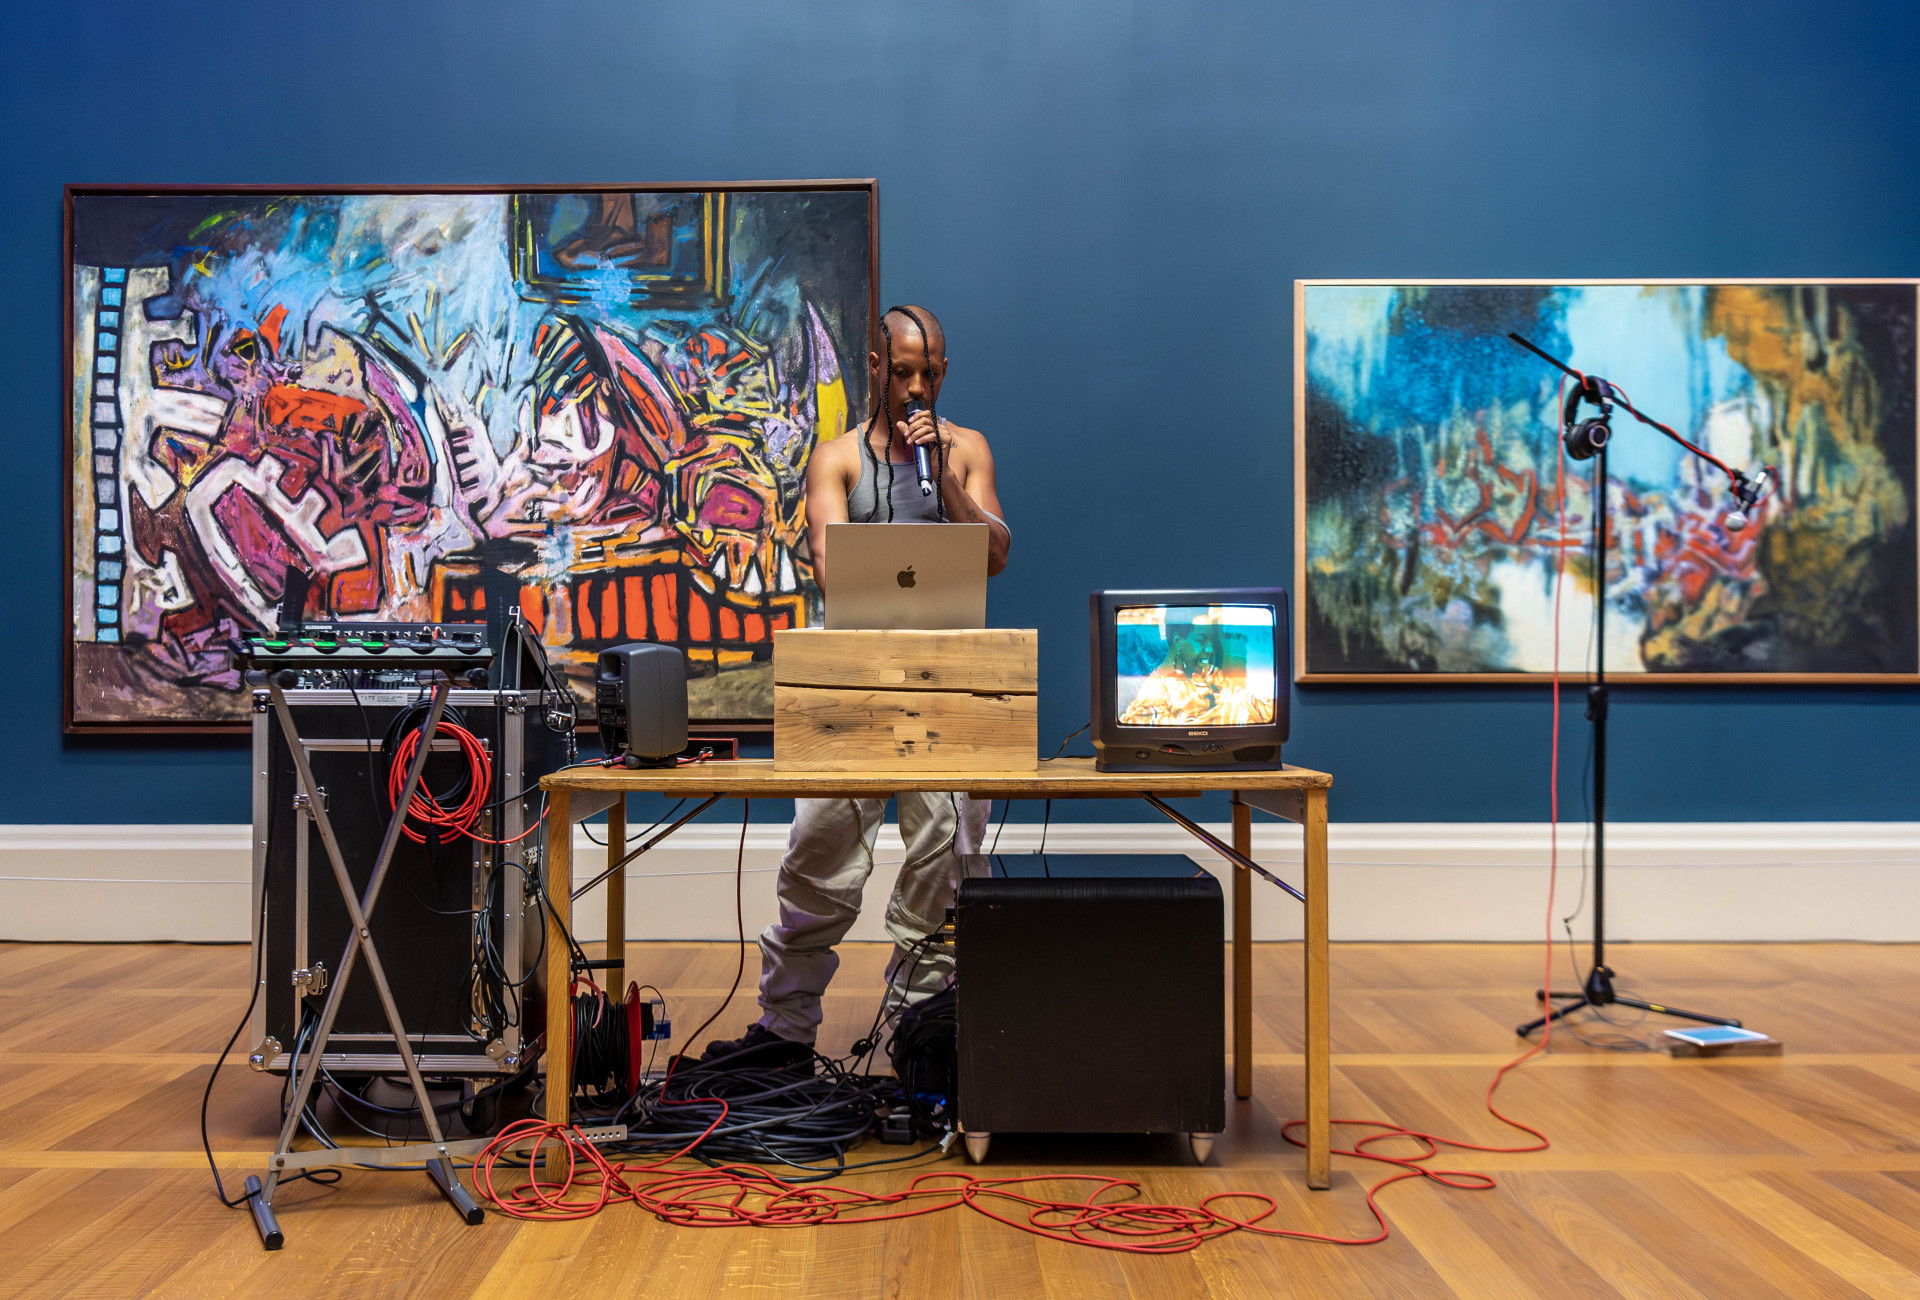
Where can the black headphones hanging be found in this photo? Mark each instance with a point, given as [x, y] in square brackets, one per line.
[1585, 438]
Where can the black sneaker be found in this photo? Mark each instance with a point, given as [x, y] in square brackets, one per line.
[759, 1049]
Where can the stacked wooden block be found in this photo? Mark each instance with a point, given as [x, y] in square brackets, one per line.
[955, 701]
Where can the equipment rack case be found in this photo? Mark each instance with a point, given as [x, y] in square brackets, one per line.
[442, 898]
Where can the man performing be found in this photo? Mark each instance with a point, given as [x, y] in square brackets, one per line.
[870, 479]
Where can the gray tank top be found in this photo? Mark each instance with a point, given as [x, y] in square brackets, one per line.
[909, 507]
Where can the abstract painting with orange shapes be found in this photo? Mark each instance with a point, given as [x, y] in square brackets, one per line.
[596, 407]
[1437, 509]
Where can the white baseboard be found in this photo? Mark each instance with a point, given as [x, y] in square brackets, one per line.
[1411, 881]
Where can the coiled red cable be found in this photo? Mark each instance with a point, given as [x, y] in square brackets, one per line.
[425, 809]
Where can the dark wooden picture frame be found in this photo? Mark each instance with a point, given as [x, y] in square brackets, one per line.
[627, 335]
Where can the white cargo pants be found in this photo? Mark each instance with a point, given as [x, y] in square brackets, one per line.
[822, 878]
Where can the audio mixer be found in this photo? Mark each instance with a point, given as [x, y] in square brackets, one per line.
[383, 648]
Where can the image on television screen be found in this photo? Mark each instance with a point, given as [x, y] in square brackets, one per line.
[1194, 665]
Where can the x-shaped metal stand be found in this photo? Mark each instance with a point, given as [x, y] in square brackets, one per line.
[437, 1152]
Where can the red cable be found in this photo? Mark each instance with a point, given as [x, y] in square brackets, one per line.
[423, 807]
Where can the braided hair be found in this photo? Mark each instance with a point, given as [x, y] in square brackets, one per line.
[886, 408]
[933, 409]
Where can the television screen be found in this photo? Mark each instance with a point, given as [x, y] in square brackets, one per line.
[1194, 665]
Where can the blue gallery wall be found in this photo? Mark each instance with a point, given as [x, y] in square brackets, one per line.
[1107, 203]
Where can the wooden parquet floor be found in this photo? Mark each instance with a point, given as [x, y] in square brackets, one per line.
[1792, 1177]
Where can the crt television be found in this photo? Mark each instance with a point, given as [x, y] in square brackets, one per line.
[1190, 680]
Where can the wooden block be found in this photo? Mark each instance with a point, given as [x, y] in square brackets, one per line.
[852, 729]
[993, 661]
[1759, 1047]
[906, 702]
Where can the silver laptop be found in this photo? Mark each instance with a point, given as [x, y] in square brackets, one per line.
[885, 577]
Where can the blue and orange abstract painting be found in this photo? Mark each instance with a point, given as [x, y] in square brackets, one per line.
[595, 406]
[1436, 506]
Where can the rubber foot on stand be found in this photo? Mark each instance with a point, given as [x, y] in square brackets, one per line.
[270, 1235]
[442, 1173]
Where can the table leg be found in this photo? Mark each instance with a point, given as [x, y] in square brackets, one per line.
[1319, 1161]
[616, 975]
[557, 872]
[1242, 954]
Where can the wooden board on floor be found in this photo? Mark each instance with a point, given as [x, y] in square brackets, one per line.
[1770, 1177]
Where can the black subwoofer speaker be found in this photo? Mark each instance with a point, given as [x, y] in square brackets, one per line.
[1091, 998]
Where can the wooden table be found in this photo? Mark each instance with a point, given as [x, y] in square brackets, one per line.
[1295, 793]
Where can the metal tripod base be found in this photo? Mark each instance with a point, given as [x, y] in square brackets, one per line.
[268, 1224]
[1599, 993]
[437, 1157]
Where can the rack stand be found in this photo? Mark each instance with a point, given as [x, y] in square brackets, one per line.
[436, 1152]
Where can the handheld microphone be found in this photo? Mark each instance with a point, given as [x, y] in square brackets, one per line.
[922, 462]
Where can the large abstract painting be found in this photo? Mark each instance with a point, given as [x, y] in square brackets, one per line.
[593, 405]
[1431, 492]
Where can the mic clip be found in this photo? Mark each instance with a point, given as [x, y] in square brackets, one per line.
[1748, 493]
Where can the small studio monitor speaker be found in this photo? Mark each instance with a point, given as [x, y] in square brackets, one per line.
[640, 701]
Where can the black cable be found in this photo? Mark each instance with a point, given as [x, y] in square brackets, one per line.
[540, 955]
[653, 1047]
[310, 1022]
[926, 1061]
[339, 1090]
[772, 1114]
[642, 836]
[867, 1045]
[366, 731]
[600, 1047]
[534, 789]
[206, 1097]
[740, 923]
[1070, 735]
[906, 988]
[546, 901]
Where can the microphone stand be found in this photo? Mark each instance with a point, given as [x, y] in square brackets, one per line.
[1599, 990]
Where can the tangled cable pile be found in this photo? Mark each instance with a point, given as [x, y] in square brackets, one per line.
[800, 1120]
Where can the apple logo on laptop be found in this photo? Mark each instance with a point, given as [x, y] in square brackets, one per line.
[905, 576]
